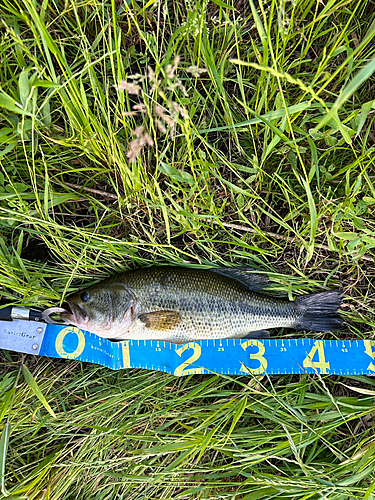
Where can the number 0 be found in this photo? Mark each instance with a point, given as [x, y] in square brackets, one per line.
[59, 343]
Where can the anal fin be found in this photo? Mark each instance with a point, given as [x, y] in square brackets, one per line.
[258, 334]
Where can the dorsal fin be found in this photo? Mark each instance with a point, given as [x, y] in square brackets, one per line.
[246, 275]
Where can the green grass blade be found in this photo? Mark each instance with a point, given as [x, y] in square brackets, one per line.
[10, 104]
[36, 390]
[230, 93]
[362, 76]
[4, 443]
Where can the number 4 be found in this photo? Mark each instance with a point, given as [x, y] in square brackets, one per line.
[321, 363]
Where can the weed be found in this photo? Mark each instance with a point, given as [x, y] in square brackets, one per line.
[192, 133]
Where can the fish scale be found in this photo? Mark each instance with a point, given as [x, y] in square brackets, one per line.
[182, 304]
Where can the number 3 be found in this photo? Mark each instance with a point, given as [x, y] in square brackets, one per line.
[259, 356]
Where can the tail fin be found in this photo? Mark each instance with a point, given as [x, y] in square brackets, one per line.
[320, 311]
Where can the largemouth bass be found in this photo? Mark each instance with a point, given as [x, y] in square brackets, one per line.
[180, 305]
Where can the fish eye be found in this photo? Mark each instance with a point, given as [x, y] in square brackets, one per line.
[85, 296]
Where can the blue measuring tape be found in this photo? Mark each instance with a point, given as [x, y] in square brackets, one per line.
[229, 356]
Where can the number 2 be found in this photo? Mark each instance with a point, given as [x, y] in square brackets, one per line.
[181, 369]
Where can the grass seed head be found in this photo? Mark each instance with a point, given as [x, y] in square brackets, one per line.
[141, 140]
[131, 88]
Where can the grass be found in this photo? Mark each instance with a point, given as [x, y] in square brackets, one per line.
[193, 133]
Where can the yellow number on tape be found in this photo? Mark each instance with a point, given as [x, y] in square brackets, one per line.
[181, 370]
[322, 364]
[60, 339]
[370, 352]
[259, 356]
[126, 354]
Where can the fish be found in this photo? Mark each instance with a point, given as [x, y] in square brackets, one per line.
[178, 305]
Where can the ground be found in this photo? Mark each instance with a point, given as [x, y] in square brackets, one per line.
[197, 134]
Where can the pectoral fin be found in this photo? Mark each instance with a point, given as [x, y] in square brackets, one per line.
[160, 320]
[259, 334]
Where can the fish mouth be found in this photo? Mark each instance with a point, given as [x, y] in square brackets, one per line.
[69, 314]
[75, 314]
